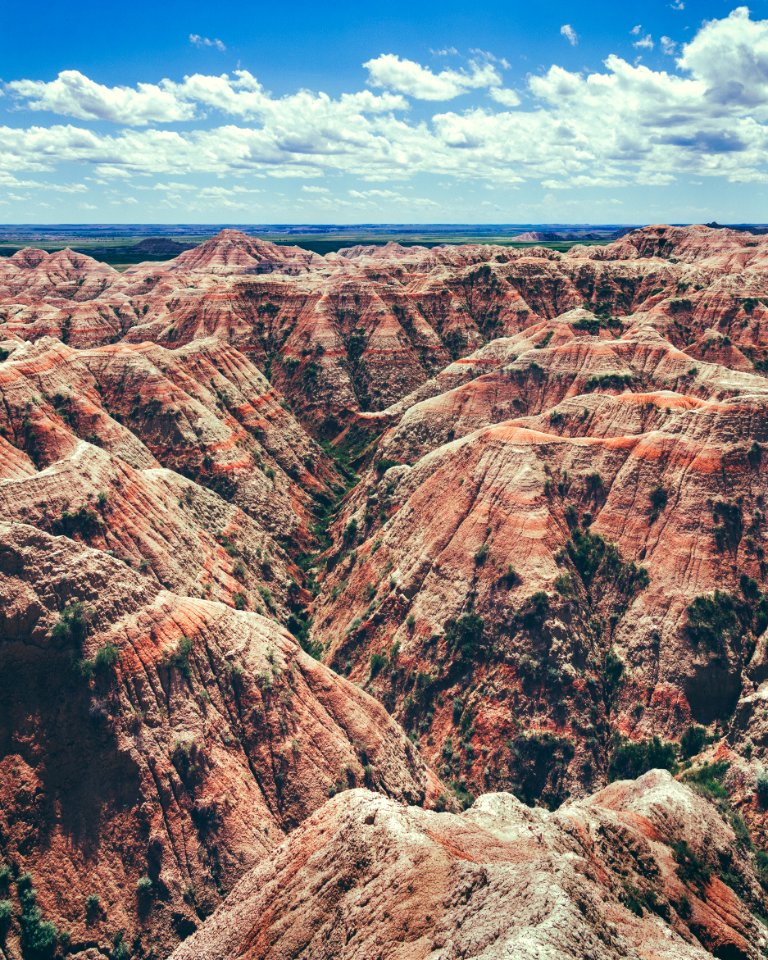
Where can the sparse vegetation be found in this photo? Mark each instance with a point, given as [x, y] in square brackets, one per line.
[708, 779]
[693, 740]
[378, 662]
[179, 659]
[631, 759]
[73, 625]
[83, 522]
[608, 381]
[715, 621]
[465, 635]
[690, 868]
[239, 601]
[761, 788]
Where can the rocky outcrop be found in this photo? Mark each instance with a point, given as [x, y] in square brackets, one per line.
[625, 874]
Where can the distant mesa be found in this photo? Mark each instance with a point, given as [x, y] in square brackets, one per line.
[161, 247]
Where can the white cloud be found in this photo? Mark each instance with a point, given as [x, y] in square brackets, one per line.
[677, 5]
[72, 94]
[636, 30]
[668, 46]
[730, 57]
[509, 98]
[644, 43]
[622, 124]
[414, 80]
[570, 34]
[196, 40]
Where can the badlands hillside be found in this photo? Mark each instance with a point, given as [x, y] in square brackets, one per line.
[398, 603]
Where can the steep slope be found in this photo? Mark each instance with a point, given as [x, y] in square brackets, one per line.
[153, 747]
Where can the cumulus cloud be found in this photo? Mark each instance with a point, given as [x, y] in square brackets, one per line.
[197, 41]
[730, 57]
[509, 98]
[707, 115]
[414, 80]
[570, 34]
[72, 94]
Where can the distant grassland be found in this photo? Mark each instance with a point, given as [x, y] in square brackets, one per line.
[120, 252]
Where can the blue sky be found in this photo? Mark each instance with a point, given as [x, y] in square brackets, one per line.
[453, 112]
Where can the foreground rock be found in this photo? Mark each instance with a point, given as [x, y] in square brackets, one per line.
[635, 872]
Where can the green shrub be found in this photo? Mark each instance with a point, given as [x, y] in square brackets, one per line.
[613, 671]
[239, 601]
[84, 521]
[715, 620]
[593, 556]
[144, 887]
[534, 611]
[631, 759]
[511, 577]
[120, 949]
[692, 741]
[608, 381]
[73, 625]
[690, 868]
[761, 861]
[92, 907]
[659, 499]
[107, 658]
[6, 915]
[180, 658]
[708, 779]
[24, 885]
[465, 635]
[594, 484]
[40, 938]
[385, 464]
[481, 555]
[680, 306]
[378, 662]
[564, 585]
[761, 788]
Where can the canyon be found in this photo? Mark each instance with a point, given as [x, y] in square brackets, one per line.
[397, 602]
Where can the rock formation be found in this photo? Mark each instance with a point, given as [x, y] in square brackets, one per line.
[624, 874]
[514, 503]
